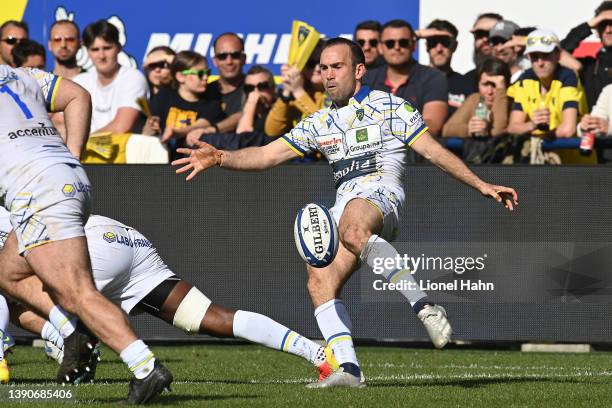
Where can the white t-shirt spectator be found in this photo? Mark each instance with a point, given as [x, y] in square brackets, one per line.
[129, 85]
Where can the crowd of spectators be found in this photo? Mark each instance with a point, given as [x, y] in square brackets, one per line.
[525, 88]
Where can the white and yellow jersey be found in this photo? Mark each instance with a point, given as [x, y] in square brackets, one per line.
[29, 143]
[368, 137]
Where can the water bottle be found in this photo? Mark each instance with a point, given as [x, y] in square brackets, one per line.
[587, 141]
[481, 112]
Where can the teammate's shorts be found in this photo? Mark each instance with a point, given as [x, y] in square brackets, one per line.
[53, 206]
[388, 200]
[125, 265]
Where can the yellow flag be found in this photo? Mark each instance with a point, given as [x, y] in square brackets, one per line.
[304, 39]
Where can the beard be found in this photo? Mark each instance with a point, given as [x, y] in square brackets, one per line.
[479, 57]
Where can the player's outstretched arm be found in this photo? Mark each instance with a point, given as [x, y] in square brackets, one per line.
[247, 159]
[433, 151]
[75, 102]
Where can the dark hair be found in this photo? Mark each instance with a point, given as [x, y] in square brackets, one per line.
[357, 56]
[371, 25]
[397, 23]
[24, 48]
[524, 31]
[100, 29]
[258, 69]
[70, 22]
[164, 48]
[229, 33]
[185, 60]
[493, 66]
[21, 24]
[604, 6]
[494, 16]
[444, 25]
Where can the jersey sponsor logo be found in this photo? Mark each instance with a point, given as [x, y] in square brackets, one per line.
[70, 190]
[109, 237]
[331, 146]
[410, 115]
[363, 140]
[37, 131]
[345, 170]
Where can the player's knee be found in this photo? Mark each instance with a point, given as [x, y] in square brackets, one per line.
[190, 312]
[354, 237]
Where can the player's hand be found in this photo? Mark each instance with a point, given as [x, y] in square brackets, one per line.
[197, 160]
[501, 194]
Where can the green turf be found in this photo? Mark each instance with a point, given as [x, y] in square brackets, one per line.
[217, 375]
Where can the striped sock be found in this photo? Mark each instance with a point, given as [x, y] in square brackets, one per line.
[262, 330]
[139, 359]
[63, 321]
[378, 248]
[335, 325]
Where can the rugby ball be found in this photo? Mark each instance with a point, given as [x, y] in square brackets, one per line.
[316, 235]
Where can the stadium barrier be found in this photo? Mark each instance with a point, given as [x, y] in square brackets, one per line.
[541, 273]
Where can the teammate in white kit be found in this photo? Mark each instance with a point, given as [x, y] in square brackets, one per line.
[363, 135]
[128, 270]
[47, 192]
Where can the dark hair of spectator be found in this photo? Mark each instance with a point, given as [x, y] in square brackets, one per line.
[494, 16]
[100, 29]
[493, 66]
[164, 48]
[21, 24]
[604, 6]
[229, 33]
[24, 48]
[444, 25]
[70, 22]
[357, 56]
[258, 69]
[524, 31]
[398, 23]
[185, 60]
[371, 25]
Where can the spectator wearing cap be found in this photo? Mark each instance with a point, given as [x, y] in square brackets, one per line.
[548, 98]
[441, 43]
[29, 53]
[11, 32]
[367, 35]
[301, 95]
[596, 72]
[425, 87]
[482, 50]
[499, 36]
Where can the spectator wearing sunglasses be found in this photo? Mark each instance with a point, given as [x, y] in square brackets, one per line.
[301, 95]
[426, 88]
[441, 42]
[482, 50]
[260, 91]
[548, 98]
[11, 32]
[499, 41]
[114, 89]
[596, 72]
[157, 68]
[29, 53]
[367, 35]
[64, 43]
[188, 110]
[229, 59]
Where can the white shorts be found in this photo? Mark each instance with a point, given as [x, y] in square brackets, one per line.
[53, 206]
[389, 200]
[126, 267]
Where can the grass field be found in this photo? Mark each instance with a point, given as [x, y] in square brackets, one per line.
[243, 375]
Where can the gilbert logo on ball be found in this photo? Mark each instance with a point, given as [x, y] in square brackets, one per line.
[316, 235]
